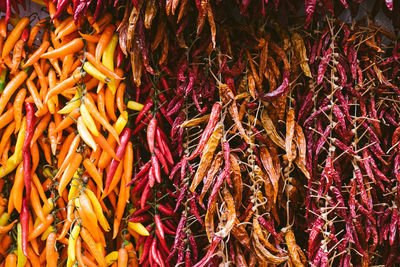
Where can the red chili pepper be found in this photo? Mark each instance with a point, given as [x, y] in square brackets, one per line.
[162, 160]
[124, 139]
[159, 225]
[30, 125]
[165, 210]
[393, 226]
[181, 197]
[212, 122]
[141, 183]
[140, 211]
[140, 219]
[183, 168]
[315, 230]
[144, 196]
[152, 179]
[194, 210]
[210, 252]
[120, 57]
[141, 173]
[280, 91]
[151, 131]
[169, 231]
[24, 217]
[156, 168]
[193, 244]
[146, 249]
[146, 107]
[153, 252]
[163, 244]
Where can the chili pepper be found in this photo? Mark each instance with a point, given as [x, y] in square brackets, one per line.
[24, 226]
[124, 139]
[146, 107]
[393, 226]
[215, 112]
[146, 249]
[166, 210]
[144, 195]
[30, 117]
[141, 173]
[151, 131]
[140, 218]
[181, 197]
[194, 210]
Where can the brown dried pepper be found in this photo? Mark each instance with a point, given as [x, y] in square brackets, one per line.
[267, 162]
[208, 131]
[208, 152]
[290, 126]
[293, 249]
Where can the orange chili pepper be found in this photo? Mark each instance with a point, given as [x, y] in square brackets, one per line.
[104, 40]
[41, 227]
[98, 65]
[109, 96]
[36, 55]
[69, 172]
[97, 254]
[51, 253]
[97, 116]
[11, 87]
[72, 47]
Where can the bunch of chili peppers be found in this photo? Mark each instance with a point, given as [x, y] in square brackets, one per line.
[227, 137]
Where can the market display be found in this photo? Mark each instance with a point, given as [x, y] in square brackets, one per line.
[199, 133]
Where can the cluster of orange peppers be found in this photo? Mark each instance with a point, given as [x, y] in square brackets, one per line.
[62, 116]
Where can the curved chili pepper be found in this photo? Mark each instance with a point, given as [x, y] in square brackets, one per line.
[151, 131]
[124, 139]
[24, 217]
[146, 107]
[30, 125]
[141, 173]
[212, 122]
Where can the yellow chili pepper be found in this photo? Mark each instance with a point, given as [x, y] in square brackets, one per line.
[4, 219]
[47, 232]
[108, 60]
[46, 211]
[73, 104]
[72, 241]
[121, 122]
[88, 120]
[85, 134]
[15, 158]
[75, 187]
[98, 210]
[134, 105]
[20, 255]
[111, 257]
[138, 228]
[95, 73]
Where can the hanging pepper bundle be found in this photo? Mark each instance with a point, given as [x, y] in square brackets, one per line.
[203, 133]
